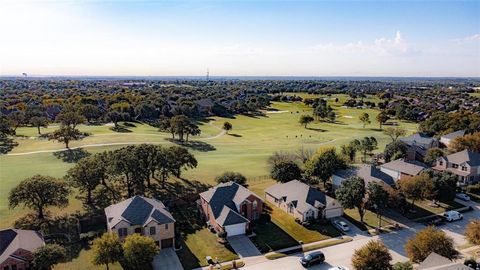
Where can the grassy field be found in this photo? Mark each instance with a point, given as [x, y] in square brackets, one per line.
[245, 149]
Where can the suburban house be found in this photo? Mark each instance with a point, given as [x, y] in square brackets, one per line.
[368, 173]
[17, 247]
[465, 164]
[400, 168]
[418, 144]
[438, 262]
[142, 215]
[302, 201]
[448, 138]
[229, 207]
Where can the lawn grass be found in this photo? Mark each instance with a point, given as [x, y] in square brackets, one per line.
[84, 262]
[286, 222]
[370, 219]
[245, 150]
[278, 255]
[200, 244]
[424, 209]
[270, 237]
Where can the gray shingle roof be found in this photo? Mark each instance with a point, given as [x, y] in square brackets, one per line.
[13, 239]
[437, 262]
[453, 135]
[472, 158]
[138, 210]
[301, 195]
[223, 200]
[410, 167]
[418, 139]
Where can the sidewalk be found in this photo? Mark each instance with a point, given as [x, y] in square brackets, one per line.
[262, 258]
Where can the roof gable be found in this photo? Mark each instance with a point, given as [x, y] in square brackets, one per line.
[6, 237]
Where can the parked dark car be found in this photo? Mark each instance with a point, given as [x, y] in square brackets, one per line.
[312, 258]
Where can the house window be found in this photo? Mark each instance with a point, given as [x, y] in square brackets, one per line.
[166, 226]
[254, 205]
[138, 230]
[455, 166]
[152, 230]
[464, 168]
[122, 232]
[441, 163]
[14, 267]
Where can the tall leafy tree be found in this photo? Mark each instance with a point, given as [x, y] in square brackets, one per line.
[39, 192]
[86, 175]
[71, 116]
[395, 150]
[6, 130]
[382, 118]
[367, 145]
[65, 134]
[139, 251]
[469, 142]
[377, 199]
[417, 187]
[394, 133]
[305, 120]
[38, 122]
[430, 240]
[285, 171]
[182, 159]
[444, 185]
[432, 155]
[16, 119]
[179, 124]
[323, 164]
[107, 249]
[351, 194]
[365, 119]
[372, 256]
[125, 166]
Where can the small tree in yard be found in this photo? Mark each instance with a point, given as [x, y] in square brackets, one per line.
[472, 232]
[365, 118]
[227, 126]
[351, 194]
[107, 249]
[139, 251]
[39, 192]
[427, 241]
[305, 120]
[47, 256]
[285, 171]
[373, 256]
[377, 199]
[231, 177]
[394, 133]
[417, 187]
[432, 155]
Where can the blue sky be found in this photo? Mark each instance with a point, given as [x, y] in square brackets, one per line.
[302, 38]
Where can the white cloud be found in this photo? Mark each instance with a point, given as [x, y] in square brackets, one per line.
[396, 46]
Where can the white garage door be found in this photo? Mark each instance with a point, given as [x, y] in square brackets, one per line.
[235, 229]
[334, 212]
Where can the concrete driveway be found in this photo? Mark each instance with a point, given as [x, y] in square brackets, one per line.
[167, 259]
[354, 232]
[243, 246]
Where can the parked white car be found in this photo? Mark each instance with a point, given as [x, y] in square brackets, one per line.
[342, 225]
[463, 196]
[452, 216]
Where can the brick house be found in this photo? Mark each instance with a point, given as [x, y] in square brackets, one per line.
[230, 207]
[142, 215]
[17, 247]
[400, 168]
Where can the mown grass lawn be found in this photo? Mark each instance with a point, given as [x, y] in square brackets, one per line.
[245, 150]
[370, 219]
[200, 244]
[424, 208]
[84, 262]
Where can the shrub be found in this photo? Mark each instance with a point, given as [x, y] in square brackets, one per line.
[403, 266]
[231, 177]
[472, 232]
[427, 241]
[374, 255]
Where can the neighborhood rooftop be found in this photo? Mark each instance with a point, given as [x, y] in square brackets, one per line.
[438, 262]
[455, 134]
[369, 173]
[223, 200]
[13, 239]
[410, 167]
[301, 195]
[465, 156]
[419, 139]
[138, 210]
